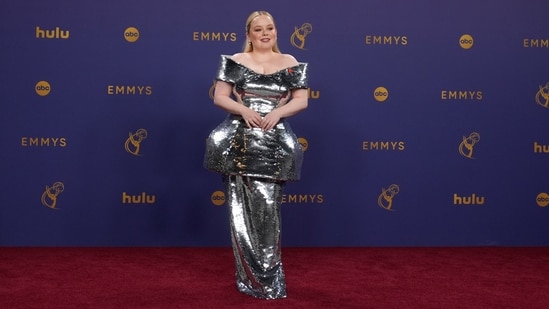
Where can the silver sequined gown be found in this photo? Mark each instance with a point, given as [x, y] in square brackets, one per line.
[255, 166]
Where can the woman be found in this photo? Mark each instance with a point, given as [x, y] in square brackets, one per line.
[256, 151]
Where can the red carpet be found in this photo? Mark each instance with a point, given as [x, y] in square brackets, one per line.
[316, 277]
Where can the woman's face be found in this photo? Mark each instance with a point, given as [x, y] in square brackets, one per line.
[262, 32]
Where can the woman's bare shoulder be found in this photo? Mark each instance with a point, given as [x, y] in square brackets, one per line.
[289, 60]
[240, 57]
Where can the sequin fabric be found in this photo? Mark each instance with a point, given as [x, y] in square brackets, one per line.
[254, 215]
[255, 165]
[233, 148]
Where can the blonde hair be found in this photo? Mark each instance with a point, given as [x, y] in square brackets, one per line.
[248, 47]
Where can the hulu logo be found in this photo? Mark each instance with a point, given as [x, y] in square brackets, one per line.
[142, 198]
[52, 34]
[468, 200]
[539, 148]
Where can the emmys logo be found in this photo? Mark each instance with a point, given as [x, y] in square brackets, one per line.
[129, 90]
[466, 41]
[300, 34]
[468, 144]
[535, 43]
[302, 199]
[386, 40]
[461, 95]
[49, 197]
[381, 94]
[131, 34]
[52, 34]
[43, 142]
[214, 36]
[542, 96]
[42, 88]
[218, 198]
[142, 198]
[385, 199]
[386, 145]
[542, 199]
[468, 200]
[133, 142]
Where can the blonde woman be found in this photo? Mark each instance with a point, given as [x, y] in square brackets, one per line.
[256, 151]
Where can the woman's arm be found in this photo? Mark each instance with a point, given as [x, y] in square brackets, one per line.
[223, 99]
[298, 102]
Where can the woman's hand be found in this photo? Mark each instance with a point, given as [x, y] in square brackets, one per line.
[269, 121]
[251, 117]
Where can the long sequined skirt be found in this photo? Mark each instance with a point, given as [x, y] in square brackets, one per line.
[254, 210]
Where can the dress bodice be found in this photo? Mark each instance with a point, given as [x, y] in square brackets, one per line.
[234, 149]
[261, 92]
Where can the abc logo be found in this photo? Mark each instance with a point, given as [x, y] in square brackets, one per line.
[381, 94]
[131, 34]
[542, 199]
[304, 143]
[466, 41]
[218, 198]
[43, 88]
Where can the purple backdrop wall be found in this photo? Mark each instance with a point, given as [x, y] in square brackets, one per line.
[428, 122]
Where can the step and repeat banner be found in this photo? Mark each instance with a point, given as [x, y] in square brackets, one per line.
[428, 122]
